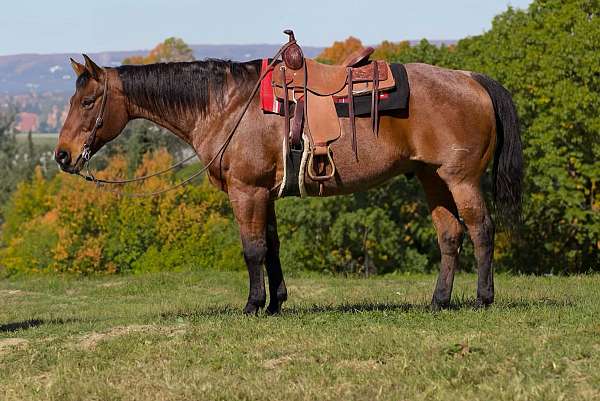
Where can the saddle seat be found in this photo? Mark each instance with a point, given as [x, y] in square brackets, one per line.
[313, 87]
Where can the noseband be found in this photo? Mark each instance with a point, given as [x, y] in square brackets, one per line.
[86, 151]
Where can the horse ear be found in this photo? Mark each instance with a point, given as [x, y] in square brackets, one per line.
[94, 70]
[77, 67]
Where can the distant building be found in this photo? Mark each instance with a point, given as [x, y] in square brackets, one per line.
[27, 122]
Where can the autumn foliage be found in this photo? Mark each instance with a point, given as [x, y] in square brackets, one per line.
[172, 49]
[548, 57]
[337, 52]
[65, 224]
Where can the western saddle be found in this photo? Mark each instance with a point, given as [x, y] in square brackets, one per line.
[314, 88]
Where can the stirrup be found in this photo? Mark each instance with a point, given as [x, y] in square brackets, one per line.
[320, 178]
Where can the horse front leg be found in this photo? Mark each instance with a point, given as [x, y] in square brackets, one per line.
[277, 289]
[250, 209]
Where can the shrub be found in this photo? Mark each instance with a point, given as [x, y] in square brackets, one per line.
[64, 224]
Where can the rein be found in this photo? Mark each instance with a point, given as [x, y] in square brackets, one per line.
[86, 152]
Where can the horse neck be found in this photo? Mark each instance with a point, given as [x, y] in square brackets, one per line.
[205, 132]
[179, 125]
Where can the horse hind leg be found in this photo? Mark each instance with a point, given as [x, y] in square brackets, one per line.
[472, 208]
[450, 233]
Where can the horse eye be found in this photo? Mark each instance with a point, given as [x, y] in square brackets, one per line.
[88, 103]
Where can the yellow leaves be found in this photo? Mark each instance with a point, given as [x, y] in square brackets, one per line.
[339, 50]
[172, 49]
[388, 50]
[116, 168]
[67, 224]
[88, 257]
[51, 217]
[134, 60]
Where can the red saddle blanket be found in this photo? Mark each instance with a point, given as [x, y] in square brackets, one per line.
[268, 102]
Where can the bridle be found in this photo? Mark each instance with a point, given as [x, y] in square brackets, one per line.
[86, 152]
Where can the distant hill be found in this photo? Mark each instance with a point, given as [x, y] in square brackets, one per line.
[39, 85]
[24, 73]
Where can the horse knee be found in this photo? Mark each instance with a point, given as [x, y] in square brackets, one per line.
[483, 233]
[450, 239]
[488, 229]
[255, 252]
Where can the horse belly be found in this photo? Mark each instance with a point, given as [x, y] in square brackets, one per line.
[379, 157]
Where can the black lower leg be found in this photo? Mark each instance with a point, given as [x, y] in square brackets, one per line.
[255, 251]
[277, 289]
[444, 284]
[484, 253]
[450, 247]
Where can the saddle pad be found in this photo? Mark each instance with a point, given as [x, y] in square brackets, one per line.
[394, 99]
[268, 102]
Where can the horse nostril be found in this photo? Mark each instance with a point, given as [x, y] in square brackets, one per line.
[63, 157]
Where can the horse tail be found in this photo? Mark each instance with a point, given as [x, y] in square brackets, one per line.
[507, 171]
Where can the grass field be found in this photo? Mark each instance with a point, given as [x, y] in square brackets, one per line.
[181, 336]
[39, 138]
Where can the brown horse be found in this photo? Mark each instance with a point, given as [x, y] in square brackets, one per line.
[456, 123]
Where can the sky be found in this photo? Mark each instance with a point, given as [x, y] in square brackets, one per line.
[57, 26]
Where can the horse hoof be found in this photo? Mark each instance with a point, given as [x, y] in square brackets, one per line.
[481, 303]
[273, 309]
[251, 309]
[438, 305]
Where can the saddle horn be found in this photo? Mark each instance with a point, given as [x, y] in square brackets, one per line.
[292, 56]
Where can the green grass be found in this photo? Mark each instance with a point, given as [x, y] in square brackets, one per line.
[188, 170]
[39, 138]
[181, 336]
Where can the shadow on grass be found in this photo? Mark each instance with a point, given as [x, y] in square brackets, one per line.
[462, 303]
[31, 323]
[356, 307]
[367, 307]
[359, 307]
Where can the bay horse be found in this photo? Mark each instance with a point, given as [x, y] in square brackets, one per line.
[456, 123]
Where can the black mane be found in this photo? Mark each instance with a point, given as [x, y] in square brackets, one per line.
[182, 86]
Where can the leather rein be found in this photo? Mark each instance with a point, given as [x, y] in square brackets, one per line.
[86, 153]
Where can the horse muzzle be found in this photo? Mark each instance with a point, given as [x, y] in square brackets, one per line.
[65, 161]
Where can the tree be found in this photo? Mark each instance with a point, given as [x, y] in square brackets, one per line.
[423, 52]
[8, 151]
[17, 161]
[172, 49]
[549, 58]
[390, 50]
[337, 52]
[51, 227]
